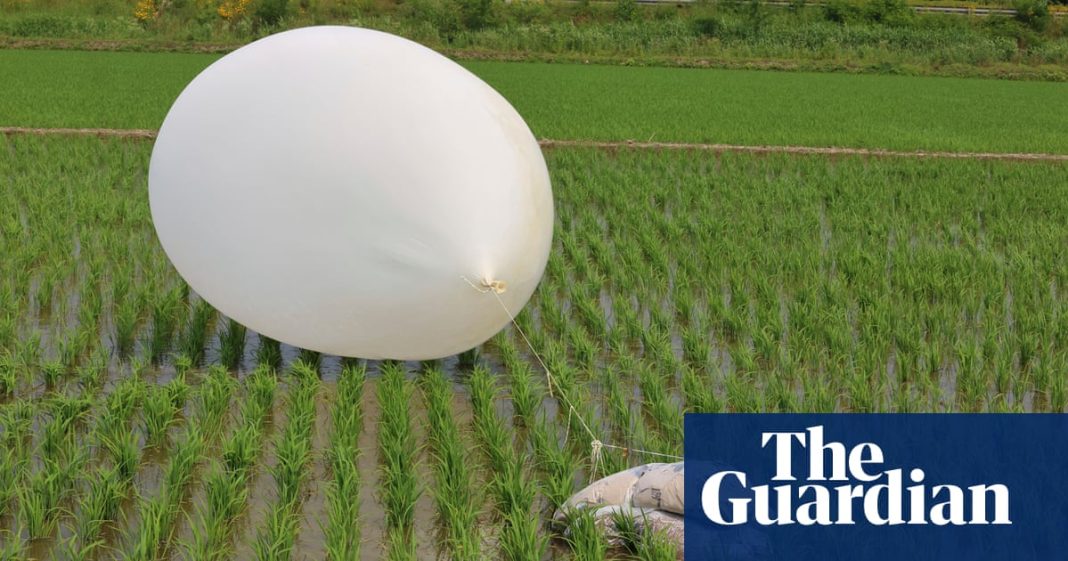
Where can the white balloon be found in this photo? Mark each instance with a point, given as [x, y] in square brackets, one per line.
[341, 189]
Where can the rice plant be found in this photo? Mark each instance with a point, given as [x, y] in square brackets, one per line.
[587, 541]
[99, 505]
[342, 527]
[158, 514]
[158, 412]
[276, 539]
[195, 338]
[512, 489]
[456, 499]
[232, 344]
[227, 482]
[399, 487]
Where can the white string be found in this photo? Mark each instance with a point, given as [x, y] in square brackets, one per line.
[595, 444]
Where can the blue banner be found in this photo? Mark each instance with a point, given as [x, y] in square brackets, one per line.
[881, 487]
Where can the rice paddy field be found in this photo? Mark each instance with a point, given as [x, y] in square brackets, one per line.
[568, 101]
[136, 422]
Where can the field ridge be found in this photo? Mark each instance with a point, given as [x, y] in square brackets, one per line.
[149, 134]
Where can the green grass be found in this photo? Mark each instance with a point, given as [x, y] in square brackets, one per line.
[566, 101]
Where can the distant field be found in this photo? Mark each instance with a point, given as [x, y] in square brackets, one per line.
[134, 90]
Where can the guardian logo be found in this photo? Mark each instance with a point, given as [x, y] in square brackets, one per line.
[877, 496]
[877, 487]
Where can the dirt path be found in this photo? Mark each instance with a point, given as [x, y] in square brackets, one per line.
[636, 145]
[121, 133]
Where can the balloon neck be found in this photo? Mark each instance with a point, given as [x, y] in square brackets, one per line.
[497, 286]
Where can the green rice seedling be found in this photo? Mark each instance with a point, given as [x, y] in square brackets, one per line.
[654, 546]
[454, 494]
[225, 497]
[521, 538]
[587, 541]
[12, 547]
[14, 467]
[156, 515]
[697, 389]
[400, 547]
[232, 344]
[512, 489]
[215, 393]
[126, 319]
[164, 323]
[665, 415]
[52, 372]
[555, 462]
[72, 343]
[310, 358]
[184, 459]
[261, 386]
[342, 530]
[182, 364]
[496, 442]
[125, 453]
[468, 359]
[276, 542]
[100, 504]
[524, 393]
[91, 373]
[46, 291]
[399, 488]
[269, 353]
[41, 500]
[158, 413]
[277, 537]
[240, 451]
[196, 335]
[177, 391]
[226, 485]
[294, 447]
[9, 378]
[70, 411]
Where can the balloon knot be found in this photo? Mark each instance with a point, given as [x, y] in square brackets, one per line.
[497, 286]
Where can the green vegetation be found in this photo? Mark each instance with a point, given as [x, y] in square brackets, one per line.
[342, 529]
[399, 487]
[131, 423]
[594, 102]
[881, 36]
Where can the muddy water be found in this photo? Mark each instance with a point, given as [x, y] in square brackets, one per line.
[372, 523]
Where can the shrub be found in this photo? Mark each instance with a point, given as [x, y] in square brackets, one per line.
[271, 12]
[625, 10]
[476, 14]
[840, 11]
[891, 12]
[1033, 13]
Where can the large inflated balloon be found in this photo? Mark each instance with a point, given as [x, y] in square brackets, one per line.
[341, 189]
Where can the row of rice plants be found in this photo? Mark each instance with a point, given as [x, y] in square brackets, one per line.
[292, 453]
[399, 487]
[158, 514]
[512, 489]
[458, 504]
[342, 528]
[227, 480]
